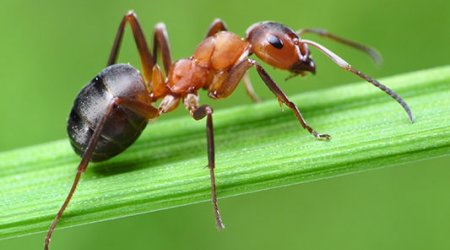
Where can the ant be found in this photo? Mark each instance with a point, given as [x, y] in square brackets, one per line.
[112, 110]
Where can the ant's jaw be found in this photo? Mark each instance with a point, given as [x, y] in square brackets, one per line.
[302, 67]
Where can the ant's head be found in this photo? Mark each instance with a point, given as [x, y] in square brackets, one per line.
[280, 47]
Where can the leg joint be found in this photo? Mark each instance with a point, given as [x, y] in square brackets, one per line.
[202, 111]
[160, 26]
[131, 14]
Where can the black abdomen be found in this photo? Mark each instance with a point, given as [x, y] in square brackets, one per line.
[123, 126]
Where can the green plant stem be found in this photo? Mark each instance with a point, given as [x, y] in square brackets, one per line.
[257, 147]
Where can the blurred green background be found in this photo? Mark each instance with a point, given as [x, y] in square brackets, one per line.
[50, 49]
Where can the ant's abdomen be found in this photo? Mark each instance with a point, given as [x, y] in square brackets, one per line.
[122, 127]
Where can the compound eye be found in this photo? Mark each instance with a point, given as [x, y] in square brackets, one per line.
[275, 41]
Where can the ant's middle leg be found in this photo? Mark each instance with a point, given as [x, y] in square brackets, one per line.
[198, 113]
[161, 42]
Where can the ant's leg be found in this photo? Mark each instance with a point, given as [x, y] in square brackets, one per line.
[161, 42]
[145, 110]
[158, 84]
[81, 168]
[282, 98]
[198, 113]
[139, 107]
[144, 53]
[168, 103]
[249, 89]
[224, 87]
[376, 56]
[216, 26]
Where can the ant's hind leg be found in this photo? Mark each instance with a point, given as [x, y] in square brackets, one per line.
[81, 169]
[87, 155]
[198, 113]
[147, 60]
[141, 108]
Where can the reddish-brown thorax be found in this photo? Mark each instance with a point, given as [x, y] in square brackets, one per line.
[207, 68]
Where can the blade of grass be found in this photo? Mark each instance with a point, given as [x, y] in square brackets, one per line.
[258, 147]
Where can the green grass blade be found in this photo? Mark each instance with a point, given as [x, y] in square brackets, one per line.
[258, 147]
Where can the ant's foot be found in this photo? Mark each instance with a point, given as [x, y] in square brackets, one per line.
[322, 137]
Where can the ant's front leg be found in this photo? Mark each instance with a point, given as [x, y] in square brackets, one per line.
[198, 113]
[225, 86]
[217, 26]
[226, 83]
[282, 98]
[249, 89]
